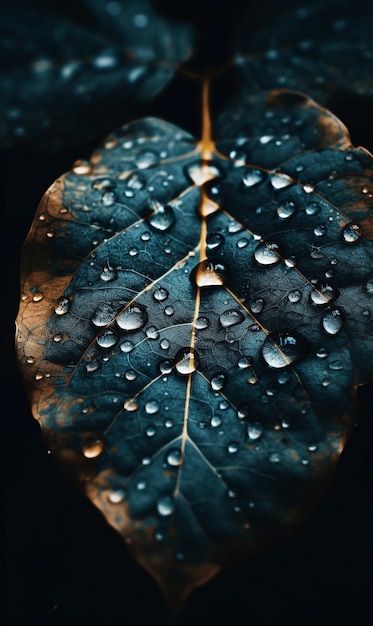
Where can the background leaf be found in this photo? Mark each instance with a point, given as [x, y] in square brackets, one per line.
[60, 74]
[189, 318]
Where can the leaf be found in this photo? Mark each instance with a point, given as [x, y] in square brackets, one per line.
[196, 317]
[58, 76]
[321, 48]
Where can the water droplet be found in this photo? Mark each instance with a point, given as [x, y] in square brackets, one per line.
[202, 322]
[150, 430]
[169, 422]
[92, 446]
[267, 253]
[332, 322]
[160, 294]
[322, 353]
[326, 382]
[218, 381]
[165, 506]
[231, 317]
[257, 305]
[117, 496]
[200, 173]
[141, 485]
[108, 198]
[245, 362]
[254, 431]
[140, 20]
[280, 349]
[186, 361]
[126, 346]
[108, 273]
[62, 306]
[232, 447]
[162, 219]
[107, 339]
[146, 158]
[351, 233]
[280, 180]
[30, 360]
[369, 286]
[274, 457]
[253, 177]
[209, 274]
[312, 208]
[130, 375]
[308, 188]
[92, 366]
[242, 243]
[103, 183]
[169, 310]
[133, 251]
[82, 168]
[215, 421]
[286, 209]
[214, 241]
[336, 365]
[164, 344]
[145, 236]
[319, 230]
[322, 294]
[103, 315]
[131, 405]
[151, 407]
[39, 376]
[174, 457]
[132, 318]
[152, 332]
[294, 295]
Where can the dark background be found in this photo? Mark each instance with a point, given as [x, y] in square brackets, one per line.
[64, 565]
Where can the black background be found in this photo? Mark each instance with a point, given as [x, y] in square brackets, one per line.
[64, 564]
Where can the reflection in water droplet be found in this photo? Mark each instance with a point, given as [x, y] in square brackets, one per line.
[165, 506]
[332, 322]
[254, 431]
[107, 339]
[162, 219]
[218, 381]
[92, 446]
[253, 177]
[209, 274]
[174, 457]
[214, 241]
[151, 407]
[62, 306]
[231, 317]
[160, 294]
[186, 361]
[132, 318]
[351, 233]
[280, 349]
[267, 253]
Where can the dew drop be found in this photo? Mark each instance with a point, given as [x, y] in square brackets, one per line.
[141, 485]
[215, 421]
[214, 241]
[92, 446]
[116, 496]
[280, 180]
[312, 208]
[145, 236]
[107, 339]
[160, 294]
[218, 382]
[162, 219]
[39, 376]
[150, 430]
[164, 344]
[254, 431]
[322, 353]
[244, 362]
[308, 188]
[132, 318]
[126, 346]
[169, 310]
[62, 306]
[202, 322]
[152, 332]
[232, 447]
[209, 274]
[336, 365]
[151, 407]
[280, 349]
[257, 305]
[165, 506]
[267, 253]
[231, 317]
[253, 177]
[92, 366]
[146, 158]
[174, 457]
[131, 405]
[108, 273]
[82, 168]
[294, 295]
[103, 315]
[286, 209]
[274, 457]
[108, 198]
[186, 361]
[369, 286]
[322, 294]
[130, 375]
[319, 230]
[332, 322]
[169, 422]
[30, 360]
[242, 243]
[351, 233]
